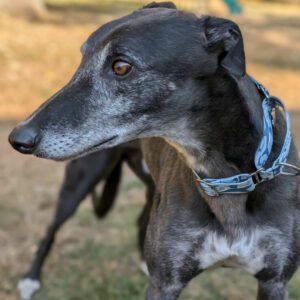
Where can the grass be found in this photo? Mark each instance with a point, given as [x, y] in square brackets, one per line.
[118, 278]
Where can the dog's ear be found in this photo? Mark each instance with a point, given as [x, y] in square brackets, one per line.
[224, 38]
[160, 4]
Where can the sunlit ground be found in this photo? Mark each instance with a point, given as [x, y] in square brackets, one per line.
[91, 259]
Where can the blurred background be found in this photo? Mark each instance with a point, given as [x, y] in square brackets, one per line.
[39, 51]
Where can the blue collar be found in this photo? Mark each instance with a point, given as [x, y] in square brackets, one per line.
[245, 183]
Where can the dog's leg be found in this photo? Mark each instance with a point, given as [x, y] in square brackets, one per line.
[143, 221]
[272, 290]
[136, 163]
[80, 179]
[66, 207]
[68, 203]
[165, 293]
[169, 277]
[31, 281]
[104, 202]
[170, 252]
[272, 286]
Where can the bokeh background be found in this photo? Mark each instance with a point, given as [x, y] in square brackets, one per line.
[39, 51]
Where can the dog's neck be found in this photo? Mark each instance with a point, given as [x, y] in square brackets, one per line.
[221, 138]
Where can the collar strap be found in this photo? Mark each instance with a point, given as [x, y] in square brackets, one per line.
[245, 183]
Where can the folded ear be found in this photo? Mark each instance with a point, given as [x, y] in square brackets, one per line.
[224, 38]
[160, 4]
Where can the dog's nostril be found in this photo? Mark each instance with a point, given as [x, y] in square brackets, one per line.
[24, 139]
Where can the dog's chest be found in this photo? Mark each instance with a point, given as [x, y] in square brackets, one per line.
[241, 251]
[246, 250]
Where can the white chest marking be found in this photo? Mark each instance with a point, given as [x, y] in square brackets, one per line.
[241, 251]
[246, 250]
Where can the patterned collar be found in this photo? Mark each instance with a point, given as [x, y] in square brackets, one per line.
[245, 183]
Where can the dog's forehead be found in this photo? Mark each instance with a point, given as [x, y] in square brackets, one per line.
[145, 21]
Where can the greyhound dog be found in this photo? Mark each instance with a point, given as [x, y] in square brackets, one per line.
[81, 177]
[179, 83]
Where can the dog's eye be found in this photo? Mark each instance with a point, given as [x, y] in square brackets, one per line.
[121, 67]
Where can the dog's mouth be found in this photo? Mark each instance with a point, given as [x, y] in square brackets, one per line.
[95, 147]
[91, 149]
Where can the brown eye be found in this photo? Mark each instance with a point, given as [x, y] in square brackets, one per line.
[121, 68]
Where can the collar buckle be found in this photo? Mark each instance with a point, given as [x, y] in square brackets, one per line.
[256, 177]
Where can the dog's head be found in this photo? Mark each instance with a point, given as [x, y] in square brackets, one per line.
[139, 77]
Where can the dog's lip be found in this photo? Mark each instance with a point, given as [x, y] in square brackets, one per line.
[103, 142]
[85, 152]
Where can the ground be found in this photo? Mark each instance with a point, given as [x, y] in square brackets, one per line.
[94, 259]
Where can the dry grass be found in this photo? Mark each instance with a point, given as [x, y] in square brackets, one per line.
[36, 59]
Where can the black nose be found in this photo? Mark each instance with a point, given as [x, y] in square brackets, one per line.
[24, 139]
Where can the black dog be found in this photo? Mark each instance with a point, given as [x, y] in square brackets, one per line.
[164, 73]
[81, 177]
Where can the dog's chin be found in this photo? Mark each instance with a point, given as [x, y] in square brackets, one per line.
[56, 156]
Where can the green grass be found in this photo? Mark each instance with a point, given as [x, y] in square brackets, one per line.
[95, 272]
[129, 185]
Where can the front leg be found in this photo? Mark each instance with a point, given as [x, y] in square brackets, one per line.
[273, 285]
[81, 176]
[272, 290]
[170, 252]
[163, 291]
[169, 278]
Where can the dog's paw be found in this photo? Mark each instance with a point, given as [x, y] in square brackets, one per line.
[144, 268]
[27, 287]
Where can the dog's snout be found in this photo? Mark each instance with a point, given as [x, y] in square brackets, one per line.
[24, 139]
